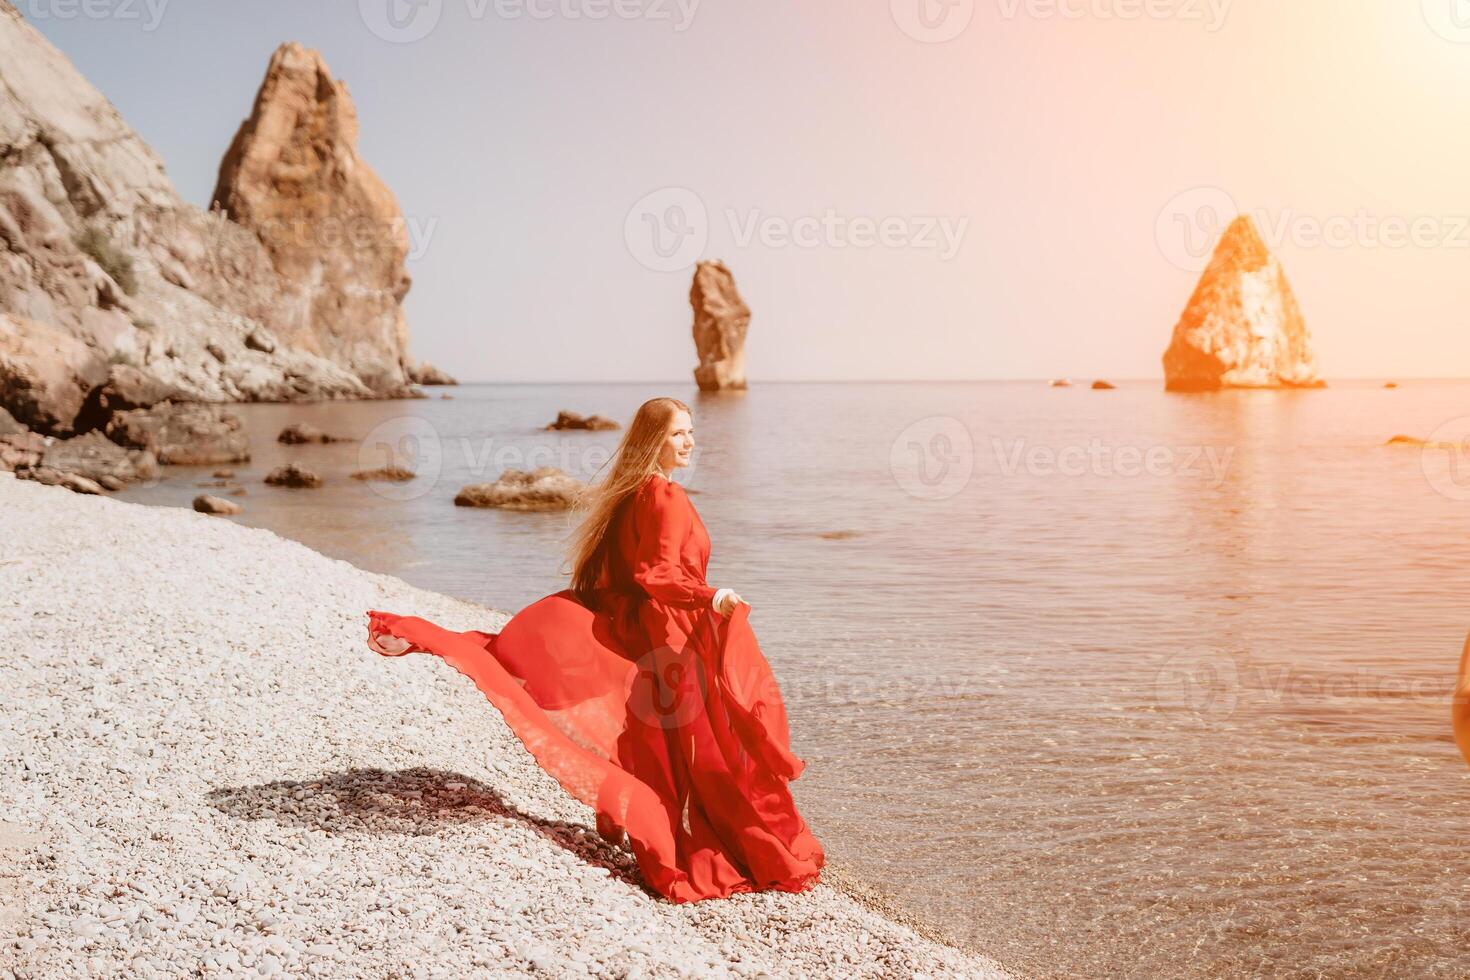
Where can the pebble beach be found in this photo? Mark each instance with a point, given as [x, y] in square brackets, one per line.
[209, 774]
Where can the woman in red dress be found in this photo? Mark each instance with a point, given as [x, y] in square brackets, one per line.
[642, 689]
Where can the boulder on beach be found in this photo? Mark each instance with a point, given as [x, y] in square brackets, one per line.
[293, 475]
[47, 476]
[301, 433]
[98, 458]
[572, 420]
[21, 449]
[205, 504]
[1242, 327]
[45, 374]
[1101, 385]
[182, 435]
[721, 320]
[547, 488]
[9, 426]
[386, 474]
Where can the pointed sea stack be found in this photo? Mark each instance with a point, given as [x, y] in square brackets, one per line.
[1242, 327]
[721, 319]
[333, 229]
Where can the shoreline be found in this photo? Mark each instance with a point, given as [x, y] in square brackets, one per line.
[218, 775]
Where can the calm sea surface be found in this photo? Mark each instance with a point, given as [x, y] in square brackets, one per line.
[1109, 683]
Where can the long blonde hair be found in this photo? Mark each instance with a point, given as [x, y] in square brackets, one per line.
[636, 457]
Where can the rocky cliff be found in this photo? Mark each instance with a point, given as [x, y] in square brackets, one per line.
[721, 320]
[103, 267]
[1242, 327]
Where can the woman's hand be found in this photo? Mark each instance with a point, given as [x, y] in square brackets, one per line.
[728, 603]
[387, 645]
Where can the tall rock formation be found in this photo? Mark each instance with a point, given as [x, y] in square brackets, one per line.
[721, 320]
[1242, 327]
[333, 230]
[98, 249]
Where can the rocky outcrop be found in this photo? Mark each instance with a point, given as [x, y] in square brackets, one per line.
[572, 420]
[1242, 327]
[293, 475]
[97, 248]
[546, 488]
[332, 229]
[424, 373]
[206, 504]
[721, 320]
[182, 435]
[301, 433]
[98, 458]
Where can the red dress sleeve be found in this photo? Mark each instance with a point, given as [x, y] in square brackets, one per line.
[664, 519]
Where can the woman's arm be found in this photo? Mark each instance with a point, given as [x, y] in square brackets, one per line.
[664, 520]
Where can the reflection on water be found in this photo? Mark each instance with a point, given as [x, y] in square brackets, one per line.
[1161, 690]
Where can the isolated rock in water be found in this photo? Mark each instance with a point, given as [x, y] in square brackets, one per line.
[1101, 385]
[223, 474]
[571, 420]
[205, 504]
[182, 435]
[1390, 384]
[300, 433]
[333, 230]
[293, 475]
[98, 458]
[96, 244]
[1242, 327]
[548, 488]
[425, 373]
[385, 474]
[1060, 383]
[45, 374]
[721, 320]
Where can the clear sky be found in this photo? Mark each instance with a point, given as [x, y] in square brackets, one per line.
[903, 188]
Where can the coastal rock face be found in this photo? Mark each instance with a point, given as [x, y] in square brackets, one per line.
[721, 320]
[1242, 327]
[182, 435]
[332, 229]
[97, 247]
[45, 374]
[424, 373]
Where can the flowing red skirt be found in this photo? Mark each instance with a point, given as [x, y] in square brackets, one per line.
[684, 747]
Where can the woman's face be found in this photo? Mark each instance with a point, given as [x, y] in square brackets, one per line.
[679, 443]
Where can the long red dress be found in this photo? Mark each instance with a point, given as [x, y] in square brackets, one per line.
[656, 711]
